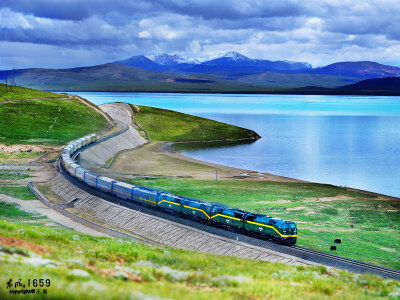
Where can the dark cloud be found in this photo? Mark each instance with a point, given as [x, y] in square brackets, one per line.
[317, 30]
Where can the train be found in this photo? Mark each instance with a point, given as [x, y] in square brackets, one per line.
[219, 215]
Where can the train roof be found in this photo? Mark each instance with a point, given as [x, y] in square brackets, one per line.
[124, 184]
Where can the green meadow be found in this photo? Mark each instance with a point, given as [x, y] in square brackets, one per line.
[171, 126]
[47, 122]
[369, 228]
[85, 267]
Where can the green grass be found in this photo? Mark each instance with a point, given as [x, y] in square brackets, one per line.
[374, 237]
[47, 122]
[168, 273]
[172, 126]
[11, 212]
[13, 175]
[17, 92]
[20, 192]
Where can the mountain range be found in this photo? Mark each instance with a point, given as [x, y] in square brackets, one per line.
[231, 72]
[228, 62]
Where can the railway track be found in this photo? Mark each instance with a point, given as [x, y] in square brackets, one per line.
[347, 263]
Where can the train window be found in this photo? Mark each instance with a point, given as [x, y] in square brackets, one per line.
[238, 215]
[251, 217]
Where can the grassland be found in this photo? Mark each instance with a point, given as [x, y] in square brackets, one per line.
[20, 192]
[47, 122]
[171, 126]
[322, 213]
[10, 212]
[85, 267]
[17, 92]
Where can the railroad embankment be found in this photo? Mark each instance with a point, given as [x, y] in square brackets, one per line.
[103, 154]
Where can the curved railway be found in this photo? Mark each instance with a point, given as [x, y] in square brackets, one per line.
[298, 251]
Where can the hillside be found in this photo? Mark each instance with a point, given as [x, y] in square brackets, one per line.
[359, 69]
[380, 85]
[119, 77]
[389, 86]
[17, 92]
[51, 121]
[79, 266]
[171, 126]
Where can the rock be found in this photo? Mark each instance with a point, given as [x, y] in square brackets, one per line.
[121, 275]
[337, 241]
[79, 273]
[76, 237]
[175, 274]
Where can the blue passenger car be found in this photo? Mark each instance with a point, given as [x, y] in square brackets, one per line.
[93, 138]
[91, 179]
[80, 173]
[122, 190]
[144, 196]
[72, 168]
[74, 144]
[105, 184]
[68, 150]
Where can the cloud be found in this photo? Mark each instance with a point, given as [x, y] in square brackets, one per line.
[321, 31]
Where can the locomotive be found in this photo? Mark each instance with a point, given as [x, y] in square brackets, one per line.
[261, 226]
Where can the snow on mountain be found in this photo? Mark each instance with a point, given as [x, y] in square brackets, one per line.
[306, 64]
[236, 56]
[174, 59]
[171, 59]
[220, 62]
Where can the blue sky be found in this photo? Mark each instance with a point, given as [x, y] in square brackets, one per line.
[68, 33]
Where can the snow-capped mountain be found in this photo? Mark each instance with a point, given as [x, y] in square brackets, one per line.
[222, 62]
[171, 60]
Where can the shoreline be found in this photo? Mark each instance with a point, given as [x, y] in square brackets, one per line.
[238, 173]
[326, 93]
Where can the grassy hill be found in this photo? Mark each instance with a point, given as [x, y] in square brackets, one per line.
[79, 266]
[171, 126]
[52, 121]
[17, 92]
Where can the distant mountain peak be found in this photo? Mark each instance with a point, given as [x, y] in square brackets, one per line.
[171, 59]
[231, 61]
[235, 56]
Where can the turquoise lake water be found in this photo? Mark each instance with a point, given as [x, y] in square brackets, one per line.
[344, 140]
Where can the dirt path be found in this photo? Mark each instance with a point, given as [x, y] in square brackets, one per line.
[36, 206]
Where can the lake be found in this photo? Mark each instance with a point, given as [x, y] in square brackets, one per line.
[343, 140]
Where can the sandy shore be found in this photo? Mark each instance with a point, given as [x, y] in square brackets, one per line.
[234, 173]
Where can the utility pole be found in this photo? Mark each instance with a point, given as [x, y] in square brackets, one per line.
[15, 82]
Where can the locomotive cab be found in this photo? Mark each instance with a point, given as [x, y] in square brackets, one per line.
[289, 231]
